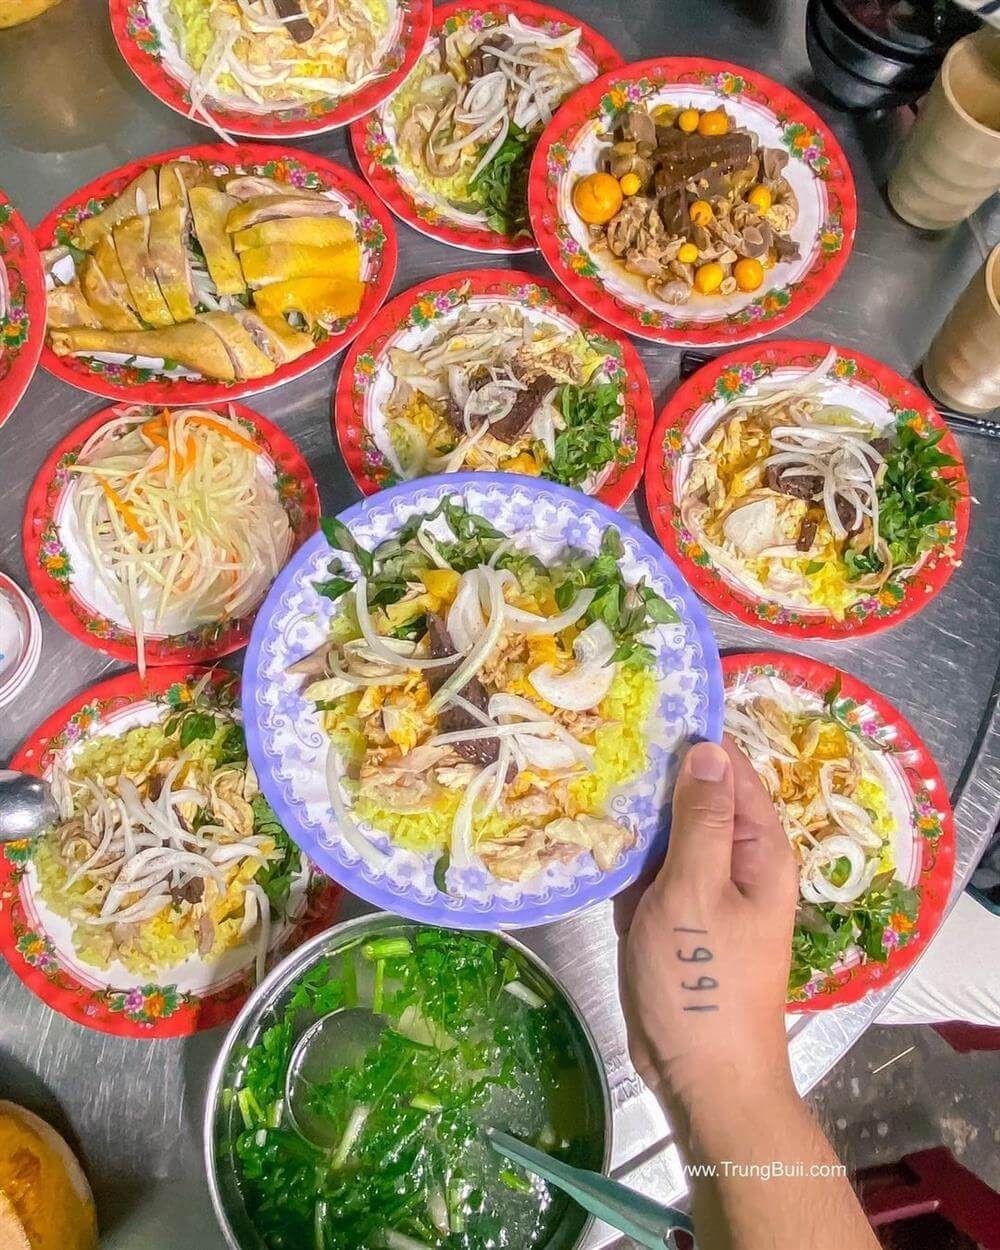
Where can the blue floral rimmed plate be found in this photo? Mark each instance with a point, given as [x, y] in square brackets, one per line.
[288, 745]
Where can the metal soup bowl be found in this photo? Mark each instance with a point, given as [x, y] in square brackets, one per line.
[223, 1124]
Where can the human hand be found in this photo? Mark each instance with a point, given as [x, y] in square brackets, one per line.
[706, 958]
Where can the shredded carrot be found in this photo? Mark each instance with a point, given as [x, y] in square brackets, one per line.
[155, 429]
[221, 428]
[127, 512]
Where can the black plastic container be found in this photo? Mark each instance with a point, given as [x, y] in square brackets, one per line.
[880, 53]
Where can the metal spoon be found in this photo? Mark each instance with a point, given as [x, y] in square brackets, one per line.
[648, 1223]
[345, 1036]
[341, 1038]
[26, 806]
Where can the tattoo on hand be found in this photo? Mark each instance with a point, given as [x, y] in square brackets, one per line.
[698, 954]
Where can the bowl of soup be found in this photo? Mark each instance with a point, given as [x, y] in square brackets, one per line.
[385, 1148]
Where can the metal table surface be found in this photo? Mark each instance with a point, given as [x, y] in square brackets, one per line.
[69, 110]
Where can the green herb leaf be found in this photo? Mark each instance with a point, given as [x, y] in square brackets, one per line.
[587, 443]
[232, 748]
[196, 726]
[500, 188]
[340, 537]
[275, 877]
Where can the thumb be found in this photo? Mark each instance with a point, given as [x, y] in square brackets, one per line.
[701, 831]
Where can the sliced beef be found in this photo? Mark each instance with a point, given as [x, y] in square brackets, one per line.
[807, 532]
[851, 518]
[300, 28]
[510, 428]
[481, 751]
[190, 892]
[805, 487]
[488, 62]
[883, 445]
[475, 63]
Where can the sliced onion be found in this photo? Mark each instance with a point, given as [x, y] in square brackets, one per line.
[817, 887]
[530, 623]
[493, 149]
[534, 722]
[584, 686]
[465, 618]
[462, 851]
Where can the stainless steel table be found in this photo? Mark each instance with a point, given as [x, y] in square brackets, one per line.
[69, 110]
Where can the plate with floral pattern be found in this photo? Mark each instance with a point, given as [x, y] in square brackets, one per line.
[373, 227]
[22, 306]
[290, 747]
[816, 170]
[147, 43]
[37, 942]
[416, 317]
[64, 576]
[865, 386]
[923, 836]
[376, 142]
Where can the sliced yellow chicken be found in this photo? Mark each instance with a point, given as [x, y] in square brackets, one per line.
[194, 345]
[268, 207]
[275, 337]
[176, 178]
[278, 262]
[112, 312]
[131, 244]
[311, 231]
[248, 359]
[66, 306]
[315, 299]
[210, 208]
[104, 253]
[169, 256]
[139, 197]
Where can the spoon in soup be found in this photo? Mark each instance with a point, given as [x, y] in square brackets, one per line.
[648, 1223]
[341, 1038]
[345, 1036]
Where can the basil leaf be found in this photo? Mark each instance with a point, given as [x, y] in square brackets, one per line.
[197, 726]
[341, 539]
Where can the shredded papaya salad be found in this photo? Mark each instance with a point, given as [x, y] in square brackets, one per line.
[482, 705]
[180, 518]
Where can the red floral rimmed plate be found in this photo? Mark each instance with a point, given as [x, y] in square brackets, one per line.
[151, 54]
[373, 137]
[861, 382]
[413, 317]
[299, 169]
[924, 850]
[74, 596]
[37, 943]
[817, 171]
[22, 329]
